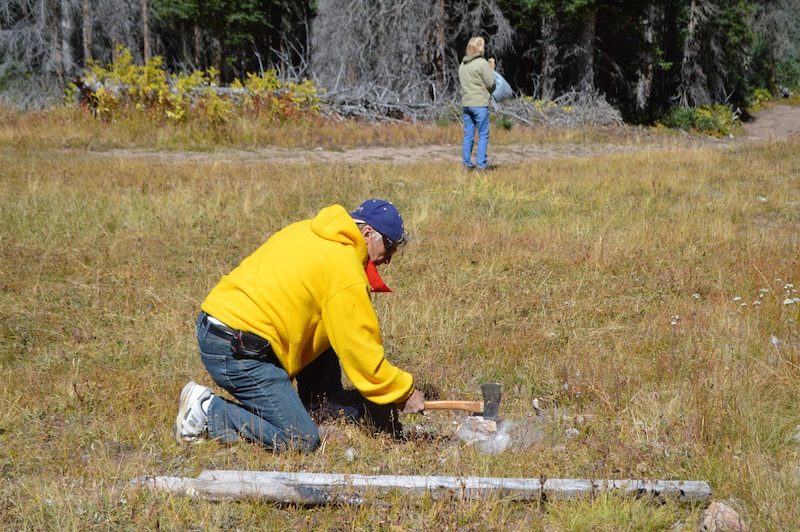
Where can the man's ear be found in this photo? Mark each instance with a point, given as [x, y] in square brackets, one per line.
[367, 230]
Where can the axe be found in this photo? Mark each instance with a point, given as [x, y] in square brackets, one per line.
[489, 407]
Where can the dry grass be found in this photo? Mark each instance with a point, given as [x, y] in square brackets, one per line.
[67, 128]
[606, 286]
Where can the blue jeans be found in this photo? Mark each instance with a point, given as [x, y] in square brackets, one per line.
[475, 117]
[268, 412]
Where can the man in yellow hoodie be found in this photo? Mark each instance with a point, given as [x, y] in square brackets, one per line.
[297, 308]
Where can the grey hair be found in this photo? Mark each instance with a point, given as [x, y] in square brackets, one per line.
[374, 231]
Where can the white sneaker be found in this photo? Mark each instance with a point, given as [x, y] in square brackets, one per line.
[191, 424]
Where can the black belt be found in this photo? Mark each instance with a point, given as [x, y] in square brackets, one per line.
[222, 331]
[244, 345]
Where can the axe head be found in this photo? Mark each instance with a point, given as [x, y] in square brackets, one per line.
[491, 399]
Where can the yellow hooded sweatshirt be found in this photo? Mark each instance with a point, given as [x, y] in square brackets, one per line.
[305, 290]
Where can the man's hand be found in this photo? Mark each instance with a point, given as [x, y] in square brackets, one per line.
[414, 404]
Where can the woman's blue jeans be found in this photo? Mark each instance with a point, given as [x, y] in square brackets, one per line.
[268, 411]
[475, 118]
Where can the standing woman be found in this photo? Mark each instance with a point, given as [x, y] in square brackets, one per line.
[476, 76]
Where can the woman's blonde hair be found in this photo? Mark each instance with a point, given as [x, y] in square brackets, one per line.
[476, 45]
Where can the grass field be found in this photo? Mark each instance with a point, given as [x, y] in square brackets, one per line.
[651, 292]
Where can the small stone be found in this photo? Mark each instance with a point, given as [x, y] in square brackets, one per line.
[719, 517]
[483, 432]
[479, 426]
[350, 454]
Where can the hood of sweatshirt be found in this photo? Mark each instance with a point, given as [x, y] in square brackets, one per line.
[334, 223]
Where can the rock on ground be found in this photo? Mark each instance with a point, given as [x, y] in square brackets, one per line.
[719, 517]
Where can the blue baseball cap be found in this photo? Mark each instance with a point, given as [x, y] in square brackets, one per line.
[383, 217]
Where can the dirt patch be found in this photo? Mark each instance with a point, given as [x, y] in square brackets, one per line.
[774, 124]
[499, 156]
[780, 122]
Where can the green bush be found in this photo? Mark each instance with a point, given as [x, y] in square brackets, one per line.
[717, 120]
[126, 90]
[759, 98]
[502, 122]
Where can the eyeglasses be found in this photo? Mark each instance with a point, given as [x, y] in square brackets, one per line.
[390, 245]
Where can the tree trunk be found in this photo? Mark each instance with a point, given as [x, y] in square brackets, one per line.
[54, 25]
[692, 90]
[771, 54]
[275, 41]
[440, 47]
[115, 44]
[549, 56]
[87, 31]
[586, 64]
[688, 58]
[67, 29]
[146, 31]
[197, 43]
[644, 82]
[216, 55]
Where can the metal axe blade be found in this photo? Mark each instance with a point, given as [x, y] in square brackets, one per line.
[492, 391]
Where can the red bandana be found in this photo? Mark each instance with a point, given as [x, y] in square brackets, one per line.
[374, 278]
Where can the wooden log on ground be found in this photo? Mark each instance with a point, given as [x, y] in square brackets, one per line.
[342, 487]
[238, 491]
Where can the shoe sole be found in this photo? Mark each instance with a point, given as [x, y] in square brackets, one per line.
[183, 409]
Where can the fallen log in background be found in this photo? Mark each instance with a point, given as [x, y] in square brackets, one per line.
[314, 489]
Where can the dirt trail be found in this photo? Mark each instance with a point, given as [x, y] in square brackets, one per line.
[774, 124]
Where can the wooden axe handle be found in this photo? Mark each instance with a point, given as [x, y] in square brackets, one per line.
[471, 406]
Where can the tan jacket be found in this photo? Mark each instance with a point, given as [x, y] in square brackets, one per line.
[476, 77]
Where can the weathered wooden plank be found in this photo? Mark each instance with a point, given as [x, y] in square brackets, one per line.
[316, 489]
[235, 490]
[436, 487]
[468, 487]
